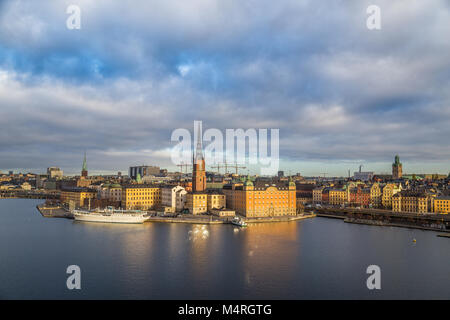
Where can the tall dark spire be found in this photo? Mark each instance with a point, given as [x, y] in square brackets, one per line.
[84, 171]
[84, 168]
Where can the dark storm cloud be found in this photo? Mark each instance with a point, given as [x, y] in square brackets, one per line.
[137, 70]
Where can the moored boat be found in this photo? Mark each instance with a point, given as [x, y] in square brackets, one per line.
[110, 215]
[239, 222]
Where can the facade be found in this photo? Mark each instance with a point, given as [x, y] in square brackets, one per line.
[397, 168]
[78, 196]
[317, 195]
[389, 190]
[223, 213]
[111, 192]
[54, 173]
[441, 205]
[216, 200]
[338, 196]
[173, 197]
[376, 195]
[143, 171]
[263, 198]
[197, 203]
[141, 197]
[410, 201]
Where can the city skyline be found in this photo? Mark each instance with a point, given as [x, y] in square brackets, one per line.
[341, 95]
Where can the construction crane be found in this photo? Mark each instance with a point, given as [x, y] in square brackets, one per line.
[217, 167]
[183, 165]
[237, 167]
[226, 166]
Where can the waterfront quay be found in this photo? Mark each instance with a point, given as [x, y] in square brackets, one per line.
[54, 211]
[63, 212]
[377, 217]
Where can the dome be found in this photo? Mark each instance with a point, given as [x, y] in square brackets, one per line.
[249, 183]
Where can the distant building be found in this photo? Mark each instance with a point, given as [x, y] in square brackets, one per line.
[375, 195]
[442, 205]
[280, 174]
[397, 168]
[26, 186]
[363, 176]
[389, 190]
[143, 171]
[54, 173]
[410, 201]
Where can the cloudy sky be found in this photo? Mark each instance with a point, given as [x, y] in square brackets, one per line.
[341, 95]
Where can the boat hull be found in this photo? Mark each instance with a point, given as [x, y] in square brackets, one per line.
[114, 218]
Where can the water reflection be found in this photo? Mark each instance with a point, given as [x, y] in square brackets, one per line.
[317, 258]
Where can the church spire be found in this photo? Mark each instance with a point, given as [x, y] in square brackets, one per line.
[84, 171]
[84, 168]
[199, 150]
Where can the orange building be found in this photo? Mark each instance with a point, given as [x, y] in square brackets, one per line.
[262, 198]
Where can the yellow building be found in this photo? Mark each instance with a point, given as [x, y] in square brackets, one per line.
[262, 198]
[389, 190]
[216, 200]
[338, 196]
[141, 197]
[197, 203]
[375, 195]
[410, 201]
[77, 196]
[442, 205]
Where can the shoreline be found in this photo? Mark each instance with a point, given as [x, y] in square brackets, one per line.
[60, 212]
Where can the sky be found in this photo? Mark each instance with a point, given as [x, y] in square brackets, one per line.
[340, 94]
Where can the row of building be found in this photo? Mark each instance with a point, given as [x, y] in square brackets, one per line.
[390, 196]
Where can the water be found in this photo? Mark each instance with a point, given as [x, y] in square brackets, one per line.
[312, 259]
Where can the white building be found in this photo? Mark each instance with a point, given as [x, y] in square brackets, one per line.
[173, 197]
[54, 172]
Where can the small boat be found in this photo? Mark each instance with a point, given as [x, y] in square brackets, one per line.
[239, 222]
[111, 215]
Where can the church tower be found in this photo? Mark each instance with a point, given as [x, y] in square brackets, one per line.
[84, 171]
[397, 168]
[198, 165]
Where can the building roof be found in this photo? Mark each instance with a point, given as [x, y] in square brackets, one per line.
[140, 186]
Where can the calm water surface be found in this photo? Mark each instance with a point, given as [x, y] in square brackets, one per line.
[312, 259]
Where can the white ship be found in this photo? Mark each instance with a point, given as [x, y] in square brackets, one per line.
[238, 222]
[110, 215]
